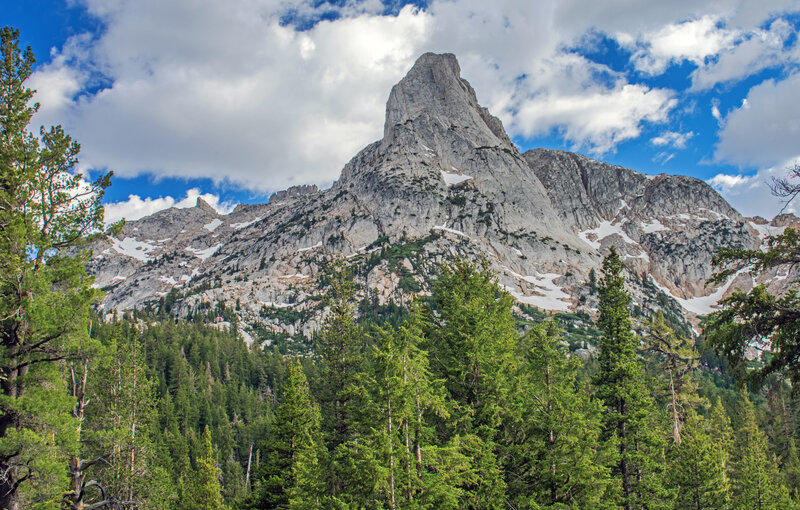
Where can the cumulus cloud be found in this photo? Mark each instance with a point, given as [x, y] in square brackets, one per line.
[764, 131]
[58, 82]
[750, 194]
[755, 50]
[231, 92]
[136, 207]
[272, 93]
[715, 111]
[672, 138]
[692, 40]
[598, 118]
[225, 91]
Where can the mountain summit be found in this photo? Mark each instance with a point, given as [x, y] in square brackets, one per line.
[445, 180]
[436, 99]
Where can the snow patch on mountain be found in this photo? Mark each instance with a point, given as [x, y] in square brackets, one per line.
[653, 226]
[552, 296]
[701, 305]
[131, 247]
[594, 236]
[451, 179]
[213, 224]
[203, 254]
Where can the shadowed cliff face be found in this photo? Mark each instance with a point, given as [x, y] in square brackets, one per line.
[445, 180]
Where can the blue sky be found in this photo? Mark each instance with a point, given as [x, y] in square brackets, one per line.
[234, 100]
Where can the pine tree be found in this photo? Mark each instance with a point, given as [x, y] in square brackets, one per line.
[758, 316]
[471, 341]
[338, 350]
[755, 481]
[629, 408]
[557, 458]
[352, 467]
[696, 467]
[46, 215]
[201, 488]
[678, 358]
[406, 395]
[474, 340]
[120, 418]
[791, 469]
[291, 475]
[721, 433]
[779, 426]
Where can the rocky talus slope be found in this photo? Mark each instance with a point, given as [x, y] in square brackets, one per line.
[444, 180]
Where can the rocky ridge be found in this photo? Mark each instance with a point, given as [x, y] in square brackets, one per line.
[444, 180]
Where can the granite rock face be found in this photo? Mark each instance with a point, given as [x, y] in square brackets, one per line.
[445, 180]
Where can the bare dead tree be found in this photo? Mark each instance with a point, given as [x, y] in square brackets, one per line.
[787, 187]
[74, 499]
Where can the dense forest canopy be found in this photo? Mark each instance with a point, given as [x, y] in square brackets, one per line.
[460, 399]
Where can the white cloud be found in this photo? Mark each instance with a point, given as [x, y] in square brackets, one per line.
[726, 182]
[765, 130]
[715, 111]
[672, 138]
[751, 194]
[663, 157]
[693, 40]
[754, 51]
[200, 88]
[58, 81]
[136, 207]
[598, 118]
[516, 56]
[224, 91]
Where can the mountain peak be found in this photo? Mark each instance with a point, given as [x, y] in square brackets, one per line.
[434, 97]
[204, 206]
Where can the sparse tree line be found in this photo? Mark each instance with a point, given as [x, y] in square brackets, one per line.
[454, 403]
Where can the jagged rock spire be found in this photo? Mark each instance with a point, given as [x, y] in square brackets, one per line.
[434, 96]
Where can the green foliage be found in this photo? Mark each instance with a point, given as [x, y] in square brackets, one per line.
[197, 376]
[291, 476]
[200, 488]
[755, 482]
[284, 315]
[339, 351]
[118, 421]
[677, 360]
[758, 317]
[472, 333]
[629, 408]
[697, 466]
[419, 473]
[474, 337]
[555, 457]
[47, 214]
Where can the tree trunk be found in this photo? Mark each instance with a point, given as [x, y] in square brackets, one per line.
[9, 497]
[407, 458]
[551, 436]
[9, 418]
[623, 461]
[9, 482]
[132, 460]
[389, 433]
[249, 459]
[75, 497]
[676, 422]
[417, 447]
